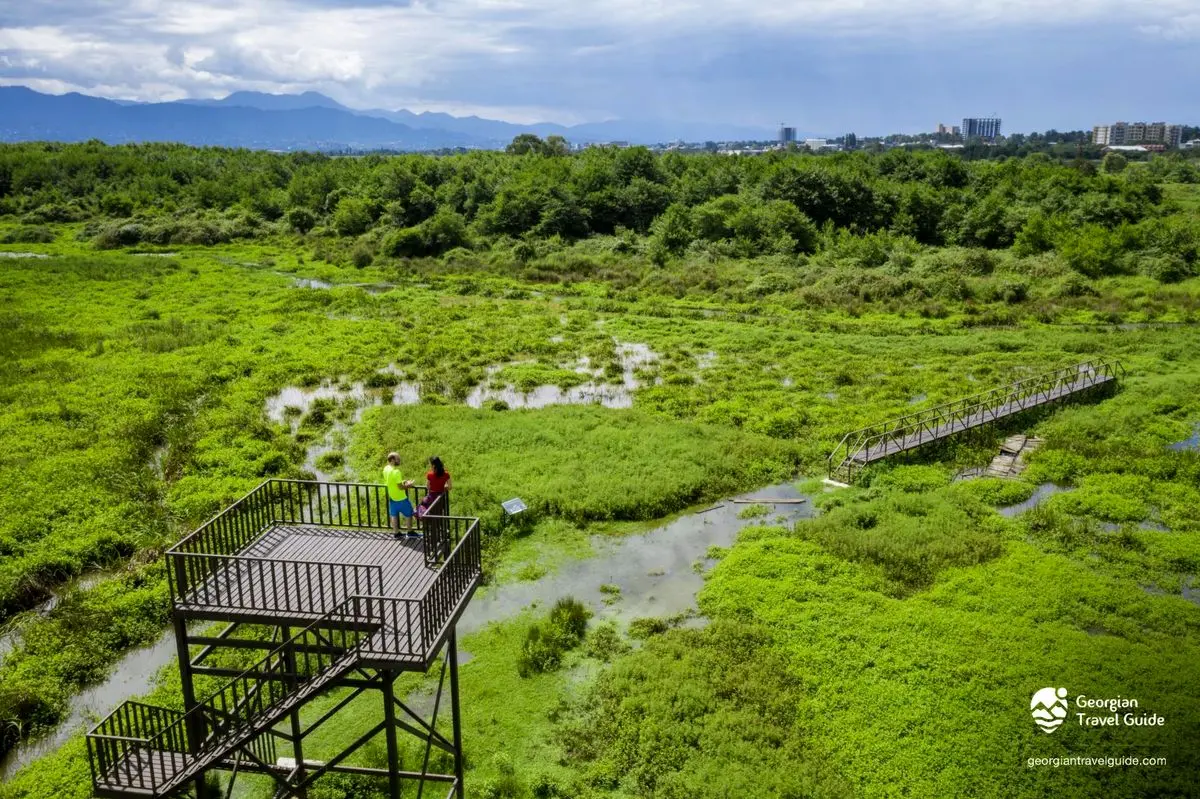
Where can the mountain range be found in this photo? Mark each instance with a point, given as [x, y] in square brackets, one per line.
[308, 121]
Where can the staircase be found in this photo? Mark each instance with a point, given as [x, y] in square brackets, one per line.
[143, 750]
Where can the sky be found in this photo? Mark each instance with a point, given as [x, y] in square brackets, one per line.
[823, 66]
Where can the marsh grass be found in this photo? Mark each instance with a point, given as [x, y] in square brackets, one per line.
[576, 463]
[909, 594]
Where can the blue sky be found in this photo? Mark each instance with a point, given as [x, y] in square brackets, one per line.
[830, 66]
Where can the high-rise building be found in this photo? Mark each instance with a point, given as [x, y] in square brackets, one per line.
[981, 127]
[786, 135]
[1122, 133]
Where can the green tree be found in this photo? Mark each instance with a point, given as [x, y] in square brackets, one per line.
[556, 145]
[673, 229]
[352, 216]
[526, 144]
[300, 219]
[1114, 163]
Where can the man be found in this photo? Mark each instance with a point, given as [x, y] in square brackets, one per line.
[397, 491]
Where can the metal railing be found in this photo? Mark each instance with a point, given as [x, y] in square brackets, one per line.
[153, 749]
[462, 569]
[860, 447]
[215, 565]
[414, 627]
[131, 725]
[238, 582]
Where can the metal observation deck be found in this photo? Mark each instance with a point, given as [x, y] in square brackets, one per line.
[862, 447]
[309, 574]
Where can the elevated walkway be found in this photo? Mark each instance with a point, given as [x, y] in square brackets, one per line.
[861, 448]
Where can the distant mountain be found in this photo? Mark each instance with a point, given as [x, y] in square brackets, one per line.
[27, 115]
[500, 133]
[273, 102]
[494, 130]
[308, 121]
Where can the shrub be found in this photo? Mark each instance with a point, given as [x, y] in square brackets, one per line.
[570, 618]
[546, 642]
[126, 235]
[28, 234]
[362, 256]
[648, 626]
[353, 216]
[300, 219]
[117, 205]
[604, 642]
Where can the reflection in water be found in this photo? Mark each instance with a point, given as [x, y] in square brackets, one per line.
[655, 571]
[595, 391]
[293, 402]
[1043, 491]
[1193, 442]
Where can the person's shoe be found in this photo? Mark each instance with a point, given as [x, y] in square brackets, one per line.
[397, 535]
[413, 534]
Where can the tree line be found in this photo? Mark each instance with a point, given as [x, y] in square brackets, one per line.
[411, 206]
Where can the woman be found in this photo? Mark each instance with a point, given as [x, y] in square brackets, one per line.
[438, 481]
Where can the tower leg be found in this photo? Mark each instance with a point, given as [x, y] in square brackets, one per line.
[456, 718]
[297, 738]
[393, 748]
[195, 726]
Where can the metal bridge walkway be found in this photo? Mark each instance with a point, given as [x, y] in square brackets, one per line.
[862, 447]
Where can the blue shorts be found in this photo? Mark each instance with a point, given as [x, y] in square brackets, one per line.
[400, 507]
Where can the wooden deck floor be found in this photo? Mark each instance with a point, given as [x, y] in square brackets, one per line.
[986, 416]
[283, 583]
[139, 772]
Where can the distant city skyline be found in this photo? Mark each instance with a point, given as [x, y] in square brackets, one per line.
[875, 67]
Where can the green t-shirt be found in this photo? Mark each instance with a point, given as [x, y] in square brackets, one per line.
[394, 480]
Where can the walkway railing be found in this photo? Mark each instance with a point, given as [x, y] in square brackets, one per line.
[861, 447]
[216, 564]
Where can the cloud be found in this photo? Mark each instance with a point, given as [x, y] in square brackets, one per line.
[1185, 27]
[570, 60]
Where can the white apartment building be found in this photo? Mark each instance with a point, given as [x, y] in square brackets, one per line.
[1123, 133]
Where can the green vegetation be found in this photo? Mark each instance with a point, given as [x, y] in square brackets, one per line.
[752, 311]
[546, 642]
[624, 465]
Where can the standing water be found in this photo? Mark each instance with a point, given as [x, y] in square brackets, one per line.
[132, 676]
[1043, 491]
[656, 571]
